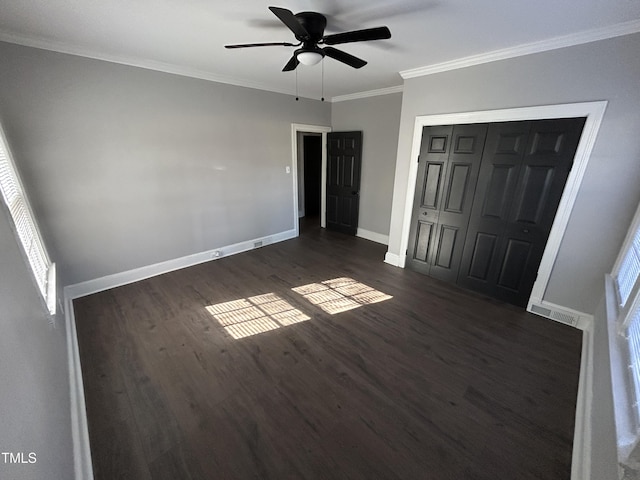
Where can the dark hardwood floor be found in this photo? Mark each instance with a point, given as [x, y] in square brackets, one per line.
[433, 383]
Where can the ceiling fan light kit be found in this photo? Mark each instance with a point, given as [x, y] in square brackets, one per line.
[309, 58]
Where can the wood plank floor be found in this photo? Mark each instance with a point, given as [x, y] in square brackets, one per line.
[433, 383]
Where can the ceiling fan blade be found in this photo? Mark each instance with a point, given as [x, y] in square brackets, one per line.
[344, 57]
[378, 33]
[291, 64]
[289, 19]
[270, 44]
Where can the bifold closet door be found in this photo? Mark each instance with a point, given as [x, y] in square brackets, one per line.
[523, 172]
[448, 170]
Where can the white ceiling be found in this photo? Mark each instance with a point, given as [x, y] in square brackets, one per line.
[187, 36]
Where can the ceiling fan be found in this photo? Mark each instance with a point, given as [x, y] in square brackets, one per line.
[308, 28]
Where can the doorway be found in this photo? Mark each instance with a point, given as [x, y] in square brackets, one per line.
[317, 144]
[309, 178]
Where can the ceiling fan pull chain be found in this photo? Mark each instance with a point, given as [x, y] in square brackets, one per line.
[322, 98]
[297, 85]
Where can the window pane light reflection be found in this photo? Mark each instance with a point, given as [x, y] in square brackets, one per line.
[253, 315]
[340, 294]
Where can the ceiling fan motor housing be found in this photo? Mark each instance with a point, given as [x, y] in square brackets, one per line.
[314, 23]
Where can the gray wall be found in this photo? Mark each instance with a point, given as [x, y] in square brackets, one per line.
[379, 119]
[130, 167]
[610, 192]
[34, 387]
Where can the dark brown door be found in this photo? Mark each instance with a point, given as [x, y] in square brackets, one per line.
[449, 163]
[524, 168]
[344, 159]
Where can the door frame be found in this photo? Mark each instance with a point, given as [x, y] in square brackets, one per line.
[593, 111]
[302, 128]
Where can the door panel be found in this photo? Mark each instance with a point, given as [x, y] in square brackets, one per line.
[501, 180]
[348, 171]
[332, 209]
[344, 159]
[431, 185]
[532, 199]
[513, 264]
[447, 174]
[423, 240]
[446, 246]
[432, 163]
[522, 176]
[458, 185]
[482, 256]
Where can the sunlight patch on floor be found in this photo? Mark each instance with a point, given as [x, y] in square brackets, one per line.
[340, 294]
[253, 315]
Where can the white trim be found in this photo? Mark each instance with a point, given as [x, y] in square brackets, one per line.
[373, 236]
[581, 455]
[368, 93]
[123, 278]
[593, 111]
[617, 30]
[583, 321]
[299, 127]
[82, 466]
[570, 40]
[181, 70]
[392, 259]
[628, 240]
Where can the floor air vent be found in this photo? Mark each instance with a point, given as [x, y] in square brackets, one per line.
[555, 315]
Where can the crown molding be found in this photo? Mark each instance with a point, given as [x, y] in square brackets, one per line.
[573, 39]
[368, 93]
[62, 47]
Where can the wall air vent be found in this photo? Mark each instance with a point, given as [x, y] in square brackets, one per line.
[554, 314]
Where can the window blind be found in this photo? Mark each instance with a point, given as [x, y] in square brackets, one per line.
[633, 337]
[25, 225]
[629, 270]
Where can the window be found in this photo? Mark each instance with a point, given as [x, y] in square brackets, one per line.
[25, 225]
[629, 269]
[633, 337]
[624, 316]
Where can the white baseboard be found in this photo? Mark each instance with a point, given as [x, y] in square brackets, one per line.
[560, 313]
[82, 466]
[373, 236]
[123, 278]
[392, 259]
[581, 456]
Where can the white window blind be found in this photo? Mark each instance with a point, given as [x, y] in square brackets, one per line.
[633, 337]
[26, 228]
[629, 270]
